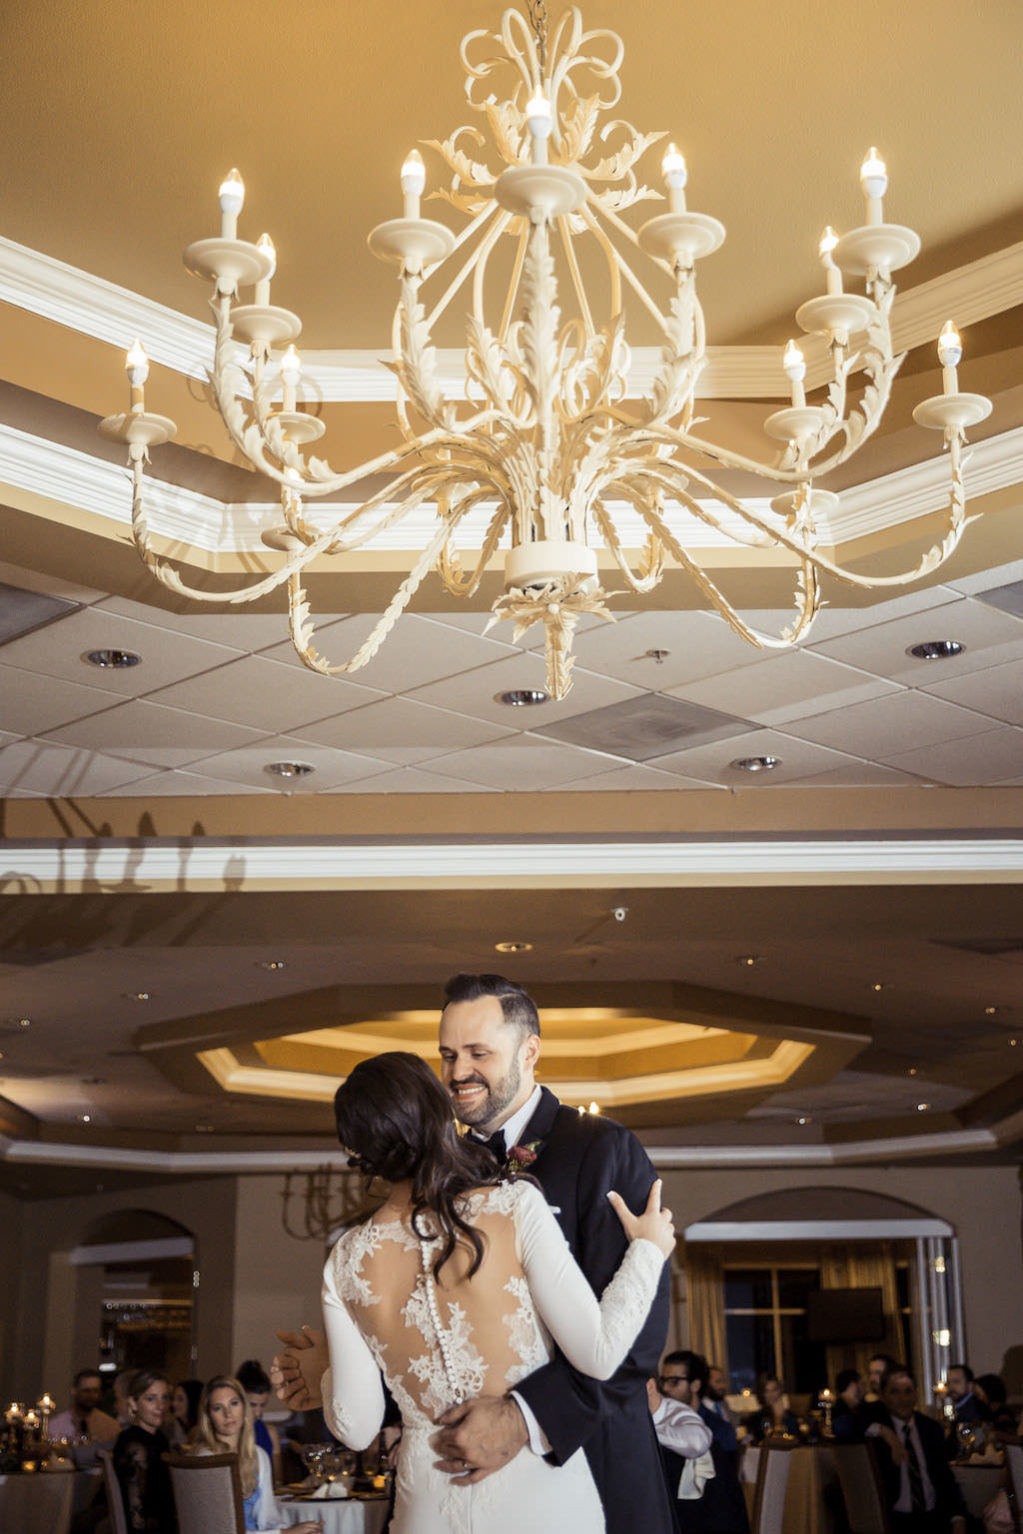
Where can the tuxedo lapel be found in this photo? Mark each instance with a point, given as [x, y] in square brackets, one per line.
[542, 1121]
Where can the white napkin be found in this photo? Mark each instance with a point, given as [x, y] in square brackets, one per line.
[330, 1491]
[695, 1475]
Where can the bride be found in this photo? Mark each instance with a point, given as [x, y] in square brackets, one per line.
[459, 1285]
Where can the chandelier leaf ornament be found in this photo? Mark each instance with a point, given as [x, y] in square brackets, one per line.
[549, 435]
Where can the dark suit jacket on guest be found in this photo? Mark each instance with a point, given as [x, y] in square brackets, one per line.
[948, 1497]
[579, 1159]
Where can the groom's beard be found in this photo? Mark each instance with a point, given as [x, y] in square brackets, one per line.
[479, 1108]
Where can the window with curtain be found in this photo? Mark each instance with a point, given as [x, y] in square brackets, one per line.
[765, 1326]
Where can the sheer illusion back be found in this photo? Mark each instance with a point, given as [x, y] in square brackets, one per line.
[441, 1342]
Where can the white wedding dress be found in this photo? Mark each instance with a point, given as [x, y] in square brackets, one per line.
[382, 1310]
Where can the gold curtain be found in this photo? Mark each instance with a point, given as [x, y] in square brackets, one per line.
[864, 1267]
[705, 1285]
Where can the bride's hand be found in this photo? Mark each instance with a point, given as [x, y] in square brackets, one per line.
[654, 1224]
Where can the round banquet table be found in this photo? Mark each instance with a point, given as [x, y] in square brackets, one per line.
[43, 1502]
[338, 1516]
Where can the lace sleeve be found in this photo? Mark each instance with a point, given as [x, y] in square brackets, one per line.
[595, 1338]
[353, 1393]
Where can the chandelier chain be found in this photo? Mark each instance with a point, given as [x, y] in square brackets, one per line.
[538, 20]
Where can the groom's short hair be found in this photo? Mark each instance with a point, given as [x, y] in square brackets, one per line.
[518, 1006]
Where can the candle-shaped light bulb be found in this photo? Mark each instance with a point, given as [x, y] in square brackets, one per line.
[950, 351]
[832, 272]
[673, 169]
[136, 365]
[795, 372]
[291, 372]
[540, 122]
[413, 180]
[874, 181]
[266, 245]
[232, 200]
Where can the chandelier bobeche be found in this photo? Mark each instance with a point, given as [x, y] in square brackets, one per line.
[543, 435]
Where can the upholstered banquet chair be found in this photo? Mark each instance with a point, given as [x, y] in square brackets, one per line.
[860, 1480]
[772, 1484]
[112, 1487]
[207, 1493]
[1014, 1463]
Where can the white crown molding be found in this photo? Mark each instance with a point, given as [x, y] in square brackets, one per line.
[77, 864]
[93, 306]
[189, 519]
[815, 1230]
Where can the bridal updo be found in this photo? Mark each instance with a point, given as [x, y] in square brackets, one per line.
[394, 1118]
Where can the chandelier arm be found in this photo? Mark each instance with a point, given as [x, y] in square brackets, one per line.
[449, 564]
[301, 623]
[624, 267]
[513, 286]
[469, 264]
[651, 559]
[628, 233]
[483, 250]
[674, 485]
[565, 231]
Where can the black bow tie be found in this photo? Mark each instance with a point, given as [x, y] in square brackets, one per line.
[494, 1144]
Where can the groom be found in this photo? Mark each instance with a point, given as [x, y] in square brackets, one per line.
[489, 1046]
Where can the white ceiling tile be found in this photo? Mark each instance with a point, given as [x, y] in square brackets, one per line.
[265, 694]
[788, 686]
[409, 780]
[58, 650]
[61, 772]
[181, 785]
[998, 691]
[995, 757]
[636, 779]
[878, 729]
[149, 732]
[698, 644]
[797, 759]
[474, 693]
[237, 629]
[52, 585]
[522, 764]
[988, 580]
[990, 637]
[853, 774]
[249, 763]
[415, 652]
[832, 622]
[31, 704]
[401, 730]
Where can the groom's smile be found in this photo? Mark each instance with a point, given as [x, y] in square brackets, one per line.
[486, 1065]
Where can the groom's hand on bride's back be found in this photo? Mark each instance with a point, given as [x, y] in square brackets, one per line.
[296, 1372]
[479, 1437]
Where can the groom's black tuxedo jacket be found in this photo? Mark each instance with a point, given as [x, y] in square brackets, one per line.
[580, 1158]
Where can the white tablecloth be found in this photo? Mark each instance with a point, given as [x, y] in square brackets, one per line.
[37, 1504]
[337, 1516]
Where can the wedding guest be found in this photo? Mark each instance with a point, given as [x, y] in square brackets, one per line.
[138, 1457]
[968, 1406]
[84, 1419]
[685, 1443]
[717, 1505]
[850, 1416]
[255, 1382]
[714, 1398]
[184, 1411]
[922, 1494]
[991, 1392]
[876, 1366]
[774, 1416]
[226, 1427]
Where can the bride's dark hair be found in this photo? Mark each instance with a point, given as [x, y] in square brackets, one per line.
[395, 1118]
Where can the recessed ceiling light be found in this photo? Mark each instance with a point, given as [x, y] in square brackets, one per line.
[1013, 1043]
[749, 960]
[912, 1070]
[273, 964]
[922, 1107]
[137, 996]
[881, 985]
[522, 697]
[936, 649]
[289, 769]
[85, 1118]
[113, 660]
[804, 1118]
[993, 1011]
[24, 1022]
[756, 763]
[512, 947]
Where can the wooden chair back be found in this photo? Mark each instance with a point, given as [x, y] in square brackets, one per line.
[112, 1487]
[860, 1479]
[772, 1484]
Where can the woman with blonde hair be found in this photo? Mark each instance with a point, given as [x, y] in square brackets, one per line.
[226, 1427]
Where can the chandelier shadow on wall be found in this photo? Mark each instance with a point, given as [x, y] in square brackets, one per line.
[550, 440]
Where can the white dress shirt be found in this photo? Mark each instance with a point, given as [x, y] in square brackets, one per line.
[907, 1431]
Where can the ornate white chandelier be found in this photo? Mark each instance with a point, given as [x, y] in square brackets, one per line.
[543, 435]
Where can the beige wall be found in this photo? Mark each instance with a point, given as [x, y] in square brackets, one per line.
[277, 1277]
[982, 1204]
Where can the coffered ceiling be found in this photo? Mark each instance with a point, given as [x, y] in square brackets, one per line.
[155, 872]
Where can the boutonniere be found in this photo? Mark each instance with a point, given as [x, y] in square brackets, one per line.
[521, 1157]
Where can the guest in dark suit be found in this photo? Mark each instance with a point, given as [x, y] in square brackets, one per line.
[968, 1405]
[922, 1494]
[489, 1046]
[850, 1417]
[774, 1416]
[721, 1509]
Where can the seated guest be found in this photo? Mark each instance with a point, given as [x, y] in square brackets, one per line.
[84, 1419]
[184, 1411]
[849, 1417]
[138, 1457]
[774, 1416]
[226, 1427]
[713, 1397]
[877, 1365]
[685, 1442]
[968, 1407]
[255, 1382]
[718, 1505]
[922, 1494]
[991, 1393]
